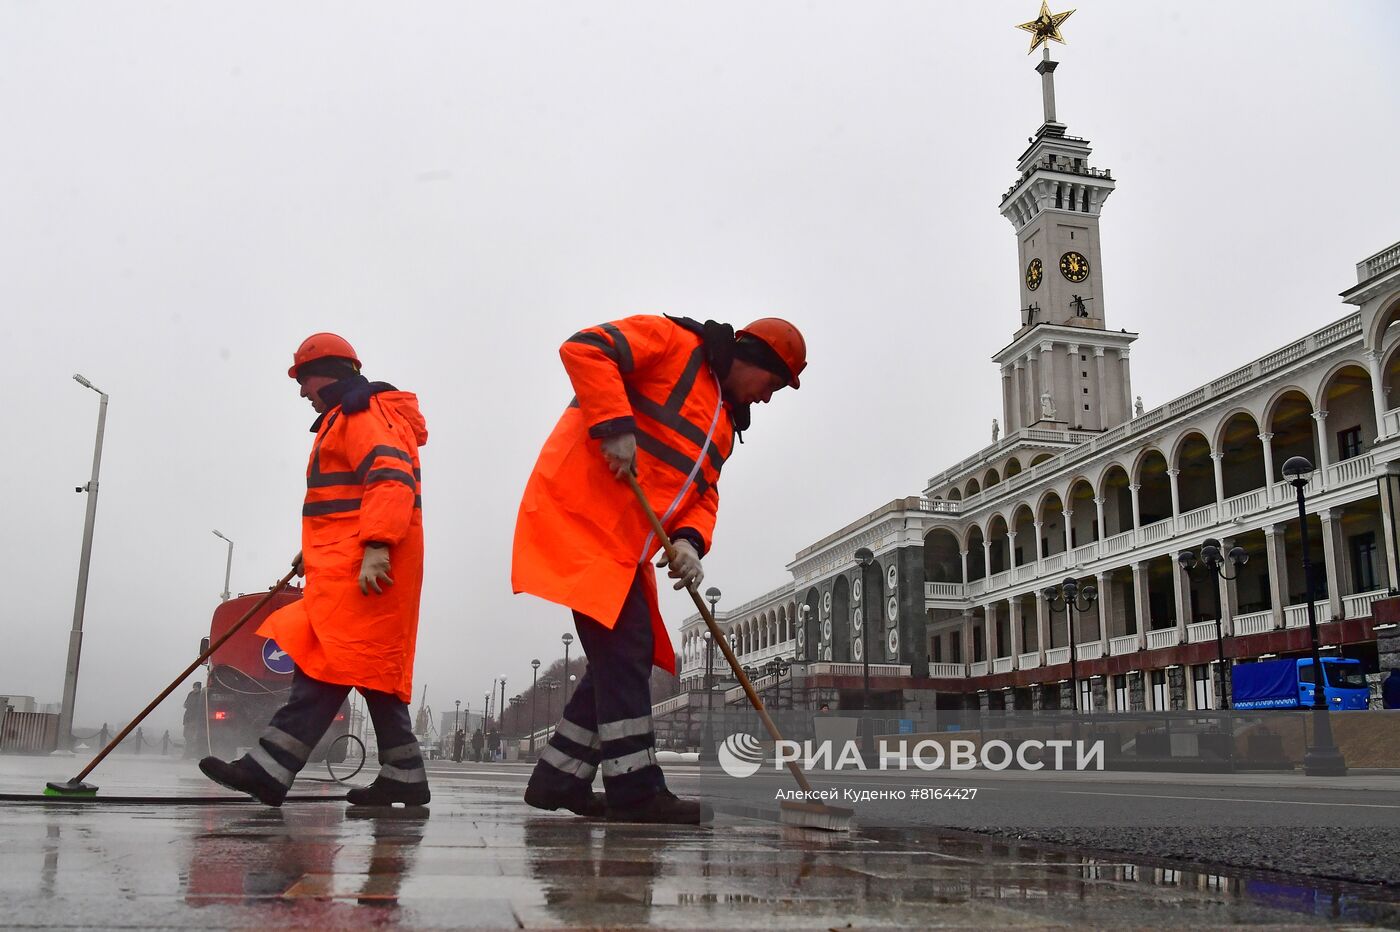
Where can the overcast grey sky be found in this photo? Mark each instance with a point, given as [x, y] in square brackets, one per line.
[190, 189]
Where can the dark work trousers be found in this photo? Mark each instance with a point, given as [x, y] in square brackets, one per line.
[283, 748]
[607, 721]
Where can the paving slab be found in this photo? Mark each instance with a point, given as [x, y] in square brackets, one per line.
[479, 858]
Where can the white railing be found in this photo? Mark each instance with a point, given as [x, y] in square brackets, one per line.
[947, 670]
[1201, 517]
[1167, 637]
[1200, 631]
[1118, 543]
[1157, 530]
[1254, 623]
[1245, 504]
[1028, 661]
[1090, 651]
[857, 669]
[1359, 605]
[1123, 645]
[1001, 665]
[1027, 571]
[1053, 563]
[1086, 553]
[976, 588]
[1356, 469]
[1056, 655]
[1391, 422]
[1296, 616]
[944, 590]
[1383, 261]
[1282, 491]
[977, 669]
[999, 581]
[667, 706]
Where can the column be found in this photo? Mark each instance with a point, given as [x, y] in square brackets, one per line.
[1033, 386]
[1373, 365]
[1134, 489]
[1323, 451]
[1172, 475]
[1039, 543]
[1107, 406]
[963, 554]
[1042, 624]
[1216, 459]
[1047, 376]
[1011, 549]
[1105, 607]
[1278, 567]
[1270, 477]
[1017, 648]
[1141, 603]
[1127, 384]
[1069, 534]
[987, 558]
[966, 655]
[1331, 544]
[989, 612]
[1098, 509]
[1183, 601]
[1074, 417]
[1008, 401]
[1229, 593]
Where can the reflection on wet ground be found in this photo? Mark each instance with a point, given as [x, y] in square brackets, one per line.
[480, 858]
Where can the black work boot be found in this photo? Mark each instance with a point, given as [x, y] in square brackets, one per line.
[665, 808]
[386, 792]
[246, 777]
[585, 803]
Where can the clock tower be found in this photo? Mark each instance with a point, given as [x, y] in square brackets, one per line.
[1063, 370]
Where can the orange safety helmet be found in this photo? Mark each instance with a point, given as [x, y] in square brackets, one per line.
[782, 338]
[322, 346]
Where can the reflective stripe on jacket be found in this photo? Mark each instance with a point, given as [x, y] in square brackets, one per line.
[580, 533]
[362, 485]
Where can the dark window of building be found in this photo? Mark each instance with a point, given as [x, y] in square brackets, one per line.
[978, 648]
[1363, 562]
[1084, 374]
[1160, 701]
[1200, 685]
[1348, 443]
[1086, 696]
[1086, 389]
[1086, 407]
[1060, 202]
[955, 646]
[937, 650]
[1121, 701]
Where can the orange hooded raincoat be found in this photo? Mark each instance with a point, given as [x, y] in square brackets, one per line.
[362, 485]
[580, 533]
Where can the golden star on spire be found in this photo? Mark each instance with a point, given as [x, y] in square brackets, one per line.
[1045, 27]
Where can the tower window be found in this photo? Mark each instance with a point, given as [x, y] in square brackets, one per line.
[1083, 375]
[1071, 234]
[1086, 389]
[1060, 201]
[1086, 407]
[1084, 202]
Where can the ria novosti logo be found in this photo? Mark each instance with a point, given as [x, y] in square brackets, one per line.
[740, 755]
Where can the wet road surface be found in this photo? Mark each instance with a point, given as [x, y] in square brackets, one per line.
[478, 857]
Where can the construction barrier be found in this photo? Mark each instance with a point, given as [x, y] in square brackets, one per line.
[29, 732]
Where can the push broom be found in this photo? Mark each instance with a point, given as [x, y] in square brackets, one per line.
[802, 814]
[76, 788]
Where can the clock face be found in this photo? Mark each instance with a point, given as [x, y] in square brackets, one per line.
[1074, 267]
[1034, 273]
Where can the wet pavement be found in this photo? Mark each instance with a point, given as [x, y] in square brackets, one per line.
[478, 857]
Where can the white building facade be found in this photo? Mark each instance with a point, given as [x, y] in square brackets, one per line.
[1085, 484]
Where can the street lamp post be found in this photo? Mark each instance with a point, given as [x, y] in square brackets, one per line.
[707, 736]
[567, 639]
[456, 727]
[486, 715]
[228, 566]
[534, 684]
[549, 684]
[1069, 597]
[1323, 759]
[501, 709]
[1214, 561]
[75, 636]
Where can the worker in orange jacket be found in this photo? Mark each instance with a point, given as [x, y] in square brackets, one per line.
[664, 397]
[362, 555]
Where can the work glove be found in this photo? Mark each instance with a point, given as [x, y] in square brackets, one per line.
[374, 568]
[620, 452]
[298, 565]
[685, 567]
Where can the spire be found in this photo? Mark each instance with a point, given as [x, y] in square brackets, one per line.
[1047, 84]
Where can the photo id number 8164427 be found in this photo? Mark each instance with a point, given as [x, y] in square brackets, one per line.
[944, 792]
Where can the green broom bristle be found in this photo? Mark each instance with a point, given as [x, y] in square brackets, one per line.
[70, 790]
